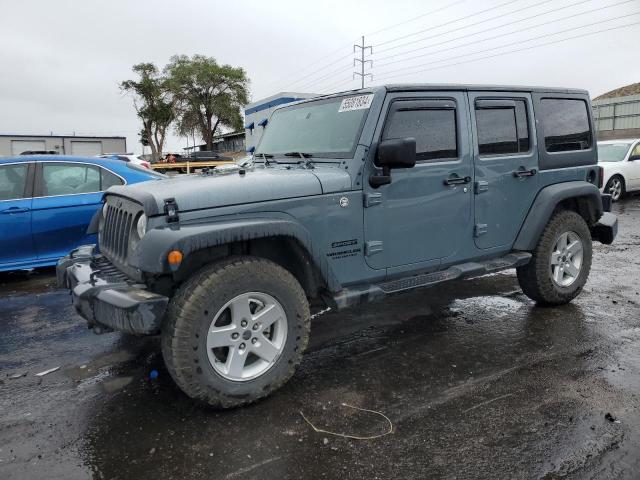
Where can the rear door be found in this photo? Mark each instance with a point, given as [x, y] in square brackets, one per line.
[67, 194]
[16, 241]
[506, 165]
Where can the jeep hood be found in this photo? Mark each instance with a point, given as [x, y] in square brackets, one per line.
[217, 190]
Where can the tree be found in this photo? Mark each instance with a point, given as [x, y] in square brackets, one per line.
[154, 104]
[209, 94]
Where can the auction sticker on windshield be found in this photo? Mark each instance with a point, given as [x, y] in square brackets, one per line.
[356, 103]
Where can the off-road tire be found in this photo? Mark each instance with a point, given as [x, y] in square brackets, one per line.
[536, 278]
[189, 316]
[623, 192]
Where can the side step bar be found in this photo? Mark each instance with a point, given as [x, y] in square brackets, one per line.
[351, 296]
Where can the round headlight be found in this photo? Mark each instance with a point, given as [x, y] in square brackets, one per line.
[141, 226]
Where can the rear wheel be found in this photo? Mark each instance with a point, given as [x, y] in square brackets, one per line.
[236, 331]
[615, 187]
[561, 261]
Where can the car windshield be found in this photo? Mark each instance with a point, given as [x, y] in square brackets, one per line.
[322, 128]
[612, 152]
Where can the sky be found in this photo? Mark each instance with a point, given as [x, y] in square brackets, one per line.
[62, 60]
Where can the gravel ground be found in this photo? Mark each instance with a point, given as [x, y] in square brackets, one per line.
[476, 381]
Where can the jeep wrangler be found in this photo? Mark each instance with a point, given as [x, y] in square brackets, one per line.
[348, 198]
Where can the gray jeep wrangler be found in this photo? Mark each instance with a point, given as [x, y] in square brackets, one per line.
[349, 198]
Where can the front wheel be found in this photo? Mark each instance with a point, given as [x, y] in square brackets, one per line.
[561, 261]
[236, 331]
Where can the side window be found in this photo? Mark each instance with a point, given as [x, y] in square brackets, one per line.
[109, 179]
[13, 181]
[636, 151]
[69, 179]
[502, 127]
[566, 125]
[433, 127]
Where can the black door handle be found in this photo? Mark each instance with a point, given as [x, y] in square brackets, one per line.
[524, 173]
[456, 180]
[11, 210]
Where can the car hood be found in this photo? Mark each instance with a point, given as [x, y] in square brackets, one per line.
[257, 184]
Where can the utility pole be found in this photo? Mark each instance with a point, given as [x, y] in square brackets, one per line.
[362, 61]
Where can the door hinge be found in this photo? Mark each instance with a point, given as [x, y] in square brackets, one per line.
[480, 229]
[482, 186]
[371, 199]
[372, 247]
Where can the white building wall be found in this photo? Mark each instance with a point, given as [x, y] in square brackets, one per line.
[16, 144]
[258, 111]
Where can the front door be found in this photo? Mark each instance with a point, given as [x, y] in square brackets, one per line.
[16, 241]
[506, 165]
[422, 216]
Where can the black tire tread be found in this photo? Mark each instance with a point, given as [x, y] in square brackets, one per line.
[191, 295]
[535, 279]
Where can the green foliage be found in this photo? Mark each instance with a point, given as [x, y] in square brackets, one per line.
[154, 103]
[195, 93]
[208, 95]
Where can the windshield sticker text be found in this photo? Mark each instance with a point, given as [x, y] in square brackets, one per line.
[355, 103]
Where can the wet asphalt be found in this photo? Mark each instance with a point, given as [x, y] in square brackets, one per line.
[476, 381]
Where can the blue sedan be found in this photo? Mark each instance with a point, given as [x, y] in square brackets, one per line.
[47, 202]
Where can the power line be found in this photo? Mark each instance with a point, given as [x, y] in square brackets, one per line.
[316, 71]
[327, 76]
[450, 22]
[516, 43]
[513, 51]
[495, 36]
[315, 62]
[394, 55]
[414, 18]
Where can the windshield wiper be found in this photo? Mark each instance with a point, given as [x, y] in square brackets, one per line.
[302, 155]
[304, 158]
[265, 157]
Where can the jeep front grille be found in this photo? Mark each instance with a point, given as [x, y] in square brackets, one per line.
[116, 229]
[116, 232]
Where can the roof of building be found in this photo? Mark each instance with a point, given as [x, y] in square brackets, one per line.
[79, 137]
[633, 89]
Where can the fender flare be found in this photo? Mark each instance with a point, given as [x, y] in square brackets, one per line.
[152, 251]
[544, 205]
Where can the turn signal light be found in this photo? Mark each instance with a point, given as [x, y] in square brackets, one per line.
[174, 257]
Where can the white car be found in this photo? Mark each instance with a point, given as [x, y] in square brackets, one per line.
[128, 157]
[620, 161]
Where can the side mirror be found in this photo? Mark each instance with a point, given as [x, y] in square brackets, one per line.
[634, 158]
[393, 153]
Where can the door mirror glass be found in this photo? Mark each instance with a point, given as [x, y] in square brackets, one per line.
[396, 153]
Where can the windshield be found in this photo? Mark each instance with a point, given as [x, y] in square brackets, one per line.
[612, 152]
[324, 128]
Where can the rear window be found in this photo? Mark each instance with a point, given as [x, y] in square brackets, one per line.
[566, 125]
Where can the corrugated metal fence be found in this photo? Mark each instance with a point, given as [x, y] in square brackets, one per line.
[620, 113]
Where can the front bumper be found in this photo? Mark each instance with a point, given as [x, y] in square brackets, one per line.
[105, 297]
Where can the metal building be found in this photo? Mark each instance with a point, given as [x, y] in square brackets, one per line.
[617, 113]
[256, 114]
[61, 144]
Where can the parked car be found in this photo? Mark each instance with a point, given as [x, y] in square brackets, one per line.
[620, 160]
[206, 156]
[352, 197]
[128, 157]
[47, 201]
